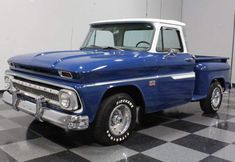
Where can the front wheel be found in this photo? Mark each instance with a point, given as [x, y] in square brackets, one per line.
[116, 119]
[212, 103]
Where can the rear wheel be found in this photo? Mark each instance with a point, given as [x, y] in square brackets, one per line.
[212, 103]
[115, 120]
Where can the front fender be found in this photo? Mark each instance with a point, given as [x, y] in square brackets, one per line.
[92, 96]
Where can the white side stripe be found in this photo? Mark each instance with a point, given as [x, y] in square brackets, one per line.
[173, 76]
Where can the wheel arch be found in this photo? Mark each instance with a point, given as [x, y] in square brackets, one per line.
[131, 90]
[221, 80]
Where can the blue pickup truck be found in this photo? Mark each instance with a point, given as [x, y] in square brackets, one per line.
[124, 69]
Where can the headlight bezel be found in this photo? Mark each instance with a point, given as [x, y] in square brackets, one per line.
[73, 100]
[8, 82]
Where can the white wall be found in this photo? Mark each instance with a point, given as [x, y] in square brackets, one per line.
[153, 8]
[233, 62]
[171, 9]
[41, 25]
[209, 28]
[164, 9]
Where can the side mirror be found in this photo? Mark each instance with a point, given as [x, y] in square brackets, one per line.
[171, 53]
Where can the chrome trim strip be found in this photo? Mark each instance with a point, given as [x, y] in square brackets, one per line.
[8, 72]
[173, 76]
[120, 81]
[183, 76]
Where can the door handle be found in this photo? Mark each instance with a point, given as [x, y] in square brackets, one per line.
[189, 59]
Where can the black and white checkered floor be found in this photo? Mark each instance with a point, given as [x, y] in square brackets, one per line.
[179, 134]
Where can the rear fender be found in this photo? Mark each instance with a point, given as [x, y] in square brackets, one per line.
[206, 73]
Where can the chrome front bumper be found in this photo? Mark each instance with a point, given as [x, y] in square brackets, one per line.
[63, 120]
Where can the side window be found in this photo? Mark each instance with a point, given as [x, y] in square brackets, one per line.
[169, 38]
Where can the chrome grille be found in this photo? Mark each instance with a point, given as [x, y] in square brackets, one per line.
[36, 92]
[35, 89]
[30, 86]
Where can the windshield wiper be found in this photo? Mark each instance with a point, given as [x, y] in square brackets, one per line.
[99, 47]
[91, 47]
[115, 48]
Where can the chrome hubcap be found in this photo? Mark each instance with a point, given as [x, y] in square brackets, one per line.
[120, 120]
[216, 97]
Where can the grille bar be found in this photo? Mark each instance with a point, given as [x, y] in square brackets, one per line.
[34, 90]
[34, 86]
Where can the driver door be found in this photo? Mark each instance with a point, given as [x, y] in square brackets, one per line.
[175, 69]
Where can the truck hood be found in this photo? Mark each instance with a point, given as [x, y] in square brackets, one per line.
[78, 61]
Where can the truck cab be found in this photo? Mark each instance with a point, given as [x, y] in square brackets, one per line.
[124, 69]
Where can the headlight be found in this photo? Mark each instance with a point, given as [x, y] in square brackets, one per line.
[7, 80]
[68, 99]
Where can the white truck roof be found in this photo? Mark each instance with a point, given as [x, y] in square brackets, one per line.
[173, 22]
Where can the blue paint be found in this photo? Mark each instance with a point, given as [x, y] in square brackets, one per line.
[95, 66]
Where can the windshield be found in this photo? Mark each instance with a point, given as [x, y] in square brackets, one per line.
[132, 36]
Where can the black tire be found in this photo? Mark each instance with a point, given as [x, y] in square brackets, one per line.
[206, 104]
[102, 132]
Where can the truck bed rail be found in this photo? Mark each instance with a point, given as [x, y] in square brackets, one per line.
[199, 58]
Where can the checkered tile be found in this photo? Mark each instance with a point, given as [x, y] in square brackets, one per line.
[182, 133]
